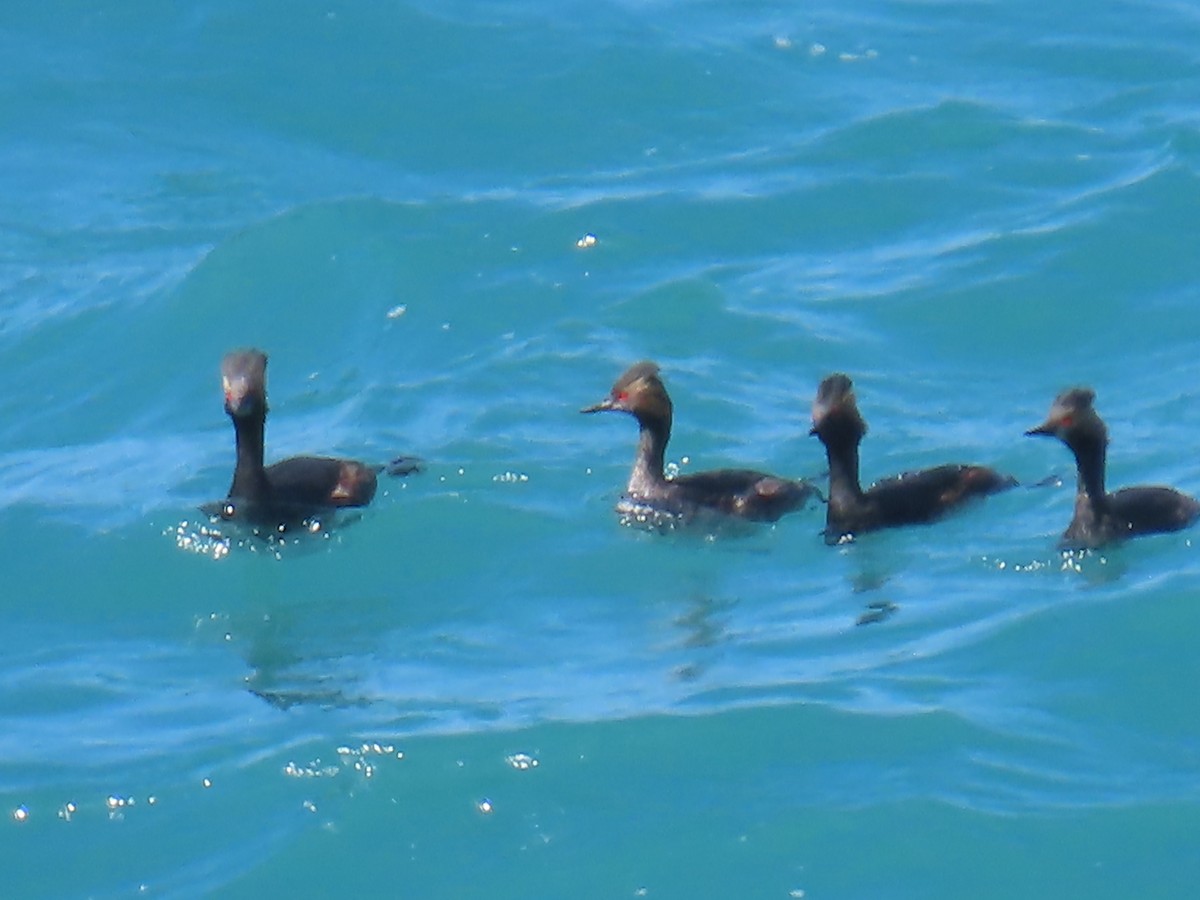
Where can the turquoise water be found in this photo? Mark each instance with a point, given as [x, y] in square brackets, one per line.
[485, 686]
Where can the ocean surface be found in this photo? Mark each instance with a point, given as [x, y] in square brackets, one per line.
[453, 224]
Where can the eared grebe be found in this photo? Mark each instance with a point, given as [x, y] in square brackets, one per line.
[906, 499]
[286, 493]
[1101, 517]
[742, 493]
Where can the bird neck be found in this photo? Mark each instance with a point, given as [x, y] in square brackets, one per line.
[648, 471]
[1090, 462]
[249, 476]
[842, 454]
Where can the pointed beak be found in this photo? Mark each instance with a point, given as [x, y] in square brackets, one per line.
[1046, 428]
[602, 406]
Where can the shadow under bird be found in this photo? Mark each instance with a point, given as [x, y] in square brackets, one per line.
[907, 499]
[1101, 517]
[287, 493]
[741, 493]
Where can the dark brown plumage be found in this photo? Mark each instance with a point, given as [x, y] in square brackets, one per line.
[288, 492]
[740, 493]
[907, 499]
[1101, 517]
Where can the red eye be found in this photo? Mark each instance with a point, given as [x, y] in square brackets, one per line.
[622, 396]
[1066, 421]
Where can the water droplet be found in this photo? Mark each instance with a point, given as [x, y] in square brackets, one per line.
[522, 761]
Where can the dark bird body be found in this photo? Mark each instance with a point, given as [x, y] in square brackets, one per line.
[739, 493]
[287, 493]
[1101, 517]
[907, 499]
